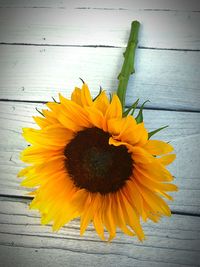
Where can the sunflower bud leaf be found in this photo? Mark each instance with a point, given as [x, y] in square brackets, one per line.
[54, 99]
[139, 117]
[82, 80]
[39, 112]
[150, 134]
[100, 90]
[131, 108]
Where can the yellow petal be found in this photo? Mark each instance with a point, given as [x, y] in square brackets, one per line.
[134, 195]
[53, 205]
[118, 126]
[156, 147]
[102, 102]
[86, 98]
[156, 203]
[41, 173]
[139, 155]
[61, 211]
[128, 131]
[54, 109]
[115, 109]
[67, 122]
[72, 111]
[127, 127]
[52, 137]
[114, 142]
[108, 217]
[167, 159]
[50, 116]
[152, 184]
[42, 122]
[98, 224]
[90, 206]
[119, 215]
[33, 179]
[80, 197]
[76, 96]
[137, 135]
[132, 219]
[150, 213]
[154, 171]
[36, 154]
[166, 195]
[96, 117]
[24, 171]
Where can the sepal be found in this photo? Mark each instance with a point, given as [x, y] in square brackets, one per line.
[150, 134]
[131, 108]
[139, 117]
[100, 91]
[39, 112]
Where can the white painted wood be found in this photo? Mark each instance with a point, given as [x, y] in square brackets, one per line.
[179, 5]
[184, 134]
[160, 29]
[169, 79]
[173, 242]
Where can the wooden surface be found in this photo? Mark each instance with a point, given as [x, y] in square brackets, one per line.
[173, 85]
[24, 241]
[45, 46]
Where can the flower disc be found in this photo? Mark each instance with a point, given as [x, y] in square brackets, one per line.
[95, 165]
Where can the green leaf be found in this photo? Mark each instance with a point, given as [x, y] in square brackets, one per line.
[100, 90]
[82, 80]
[110, 96]
[139, 117]
[40, 112]
[132, 107]
[54, 99]
[150, 134]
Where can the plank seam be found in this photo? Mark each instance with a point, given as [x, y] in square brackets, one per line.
[62, 45]
[68, 226]
[11, 244]
[100, 46]
[101, 8]
[145, 108]
[139, 9]
[17, 197]
[91, 240]
[185, 213]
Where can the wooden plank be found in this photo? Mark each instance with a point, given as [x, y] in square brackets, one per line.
[35, 73]
[160, 29]
[184, 134]
[174, 241]
[179, 5]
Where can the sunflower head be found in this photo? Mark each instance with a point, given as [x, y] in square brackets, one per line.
[88, 160]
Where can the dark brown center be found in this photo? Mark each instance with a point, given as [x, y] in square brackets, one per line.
[95, 165]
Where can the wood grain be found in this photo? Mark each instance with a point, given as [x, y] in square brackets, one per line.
[49, 26]
[184, 134]
[37, 73]
[44, 47]
[178, 5]
[174, 241]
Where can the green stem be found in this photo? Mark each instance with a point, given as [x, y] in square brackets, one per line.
[128, 65]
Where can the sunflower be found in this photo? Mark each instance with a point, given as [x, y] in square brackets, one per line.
[87, 160]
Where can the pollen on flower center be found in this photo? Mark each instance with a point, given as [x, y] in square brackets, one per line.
[95, 165]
